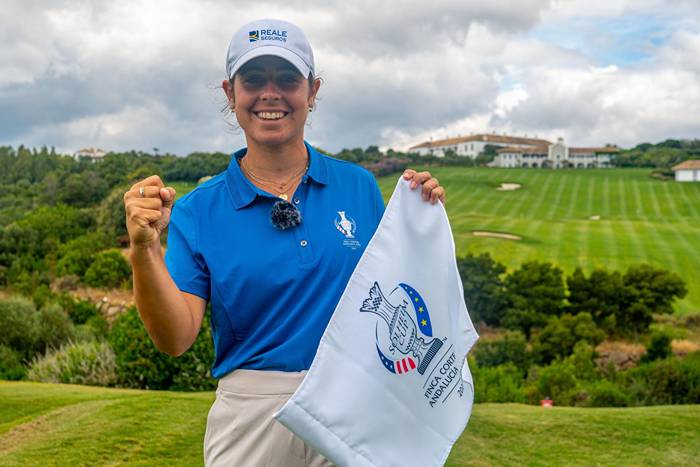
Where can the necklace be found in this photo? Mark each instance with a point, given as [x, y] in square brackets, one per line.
[280, 189]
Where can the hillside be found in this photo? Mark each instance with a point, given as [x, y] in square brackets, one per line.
[44, 424]
[590, 218]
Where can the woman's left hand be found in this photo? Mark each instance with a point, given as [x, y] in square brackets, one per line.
[430, 187]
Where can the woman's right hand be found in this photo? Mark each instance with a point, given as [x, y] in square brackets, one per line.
[148, 204]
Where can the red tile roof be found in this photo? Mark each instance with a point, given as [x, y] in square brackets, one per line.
[693, 164]
[498, 139]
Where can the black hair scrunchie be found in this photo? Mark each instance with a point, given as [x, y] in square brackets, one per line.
[284, 215]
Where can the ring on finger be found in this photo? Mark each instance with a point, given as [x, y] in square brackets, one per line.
[142, 192]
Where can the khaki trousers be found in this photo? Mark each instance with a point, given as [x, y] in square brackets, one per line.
[241, 431]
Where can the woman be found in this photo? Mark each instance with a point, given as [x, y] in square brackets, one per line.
[271, 243]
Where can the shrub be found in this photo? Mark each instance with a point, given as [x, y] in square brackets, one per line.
[659, 348]
[141, 365]
[668, 381]
[90, 363]
[79, 311]
[502, 383]
[54, 328]
[558, 338]
[194, 366]
[605, 394]
[111, 215]
[483, 288]
[556, 381]
[510, 347]
[19, 321]
[77, 255]
[110, 269]
[536, 292]
[11, 364]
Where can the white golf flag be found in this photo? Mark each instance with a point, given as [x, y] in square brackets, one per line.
[390, 385]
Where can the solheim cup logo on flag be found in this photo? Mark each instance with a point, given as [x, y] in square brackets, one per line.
[407, 347]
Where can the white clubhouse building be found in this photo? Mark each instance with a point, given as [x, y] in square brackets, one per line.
[473, 145]
[521, 152]
[688, 171]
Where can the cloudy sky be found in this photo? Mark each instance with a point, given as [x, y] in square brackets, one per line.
[138, 74]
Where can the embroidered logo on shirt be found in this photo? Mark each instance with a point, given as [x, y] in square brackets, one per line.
[347, 226]
[409, 344]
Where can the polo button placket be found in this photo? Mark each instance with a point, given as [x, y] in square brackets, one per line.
[301, 233]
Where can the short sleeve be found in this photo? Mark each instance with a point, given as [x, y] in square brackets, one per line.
[184, 262]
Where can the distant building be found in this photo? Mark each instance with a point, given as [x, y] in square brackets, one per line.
[91, 153]
[556, 156]
[472, 146]
[688, 171]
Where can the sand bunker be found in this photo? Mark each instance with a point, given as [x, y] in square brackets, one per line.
[508, 187]
[506, 236]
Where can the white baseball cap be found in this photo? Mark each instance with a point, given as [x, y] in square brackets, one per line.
[270, 37]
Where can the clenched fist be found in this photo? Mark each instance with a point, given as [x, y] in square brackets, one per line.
[148, 204]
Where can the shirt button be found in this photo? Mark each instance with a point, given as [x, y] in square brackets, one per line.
[296, 200]
[303, 243]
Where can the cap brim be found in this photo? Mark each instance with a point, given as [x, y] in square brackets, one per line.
[273, 50]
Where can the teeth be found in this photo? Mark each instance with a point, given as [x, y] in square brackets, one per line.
[270, 115]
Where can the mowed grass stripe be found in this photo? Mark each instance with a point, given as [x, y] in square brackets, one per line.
[661, 253]
[689, 202]
[571, 235]
[586, 237]
[612, 251]
[554, 227]
[514, 216]
[636, 246]
[534, 213]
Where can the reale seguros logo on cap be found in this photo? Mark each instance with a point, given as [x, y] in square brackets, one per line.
[267, 35]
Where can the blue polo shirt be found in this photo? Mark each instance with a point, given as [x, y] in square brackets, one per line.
[272, 292]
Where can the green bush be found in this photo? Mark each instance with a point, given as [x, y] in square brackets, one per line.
[54, 329]
[502, 383]
[77, 255]
[19, 321]
[110, 269]
[535, 292]
[194, 366]
[509, 347]
[141, 365]
[659, 348]
[605, 394]
[483, 288]
[668, 381]
[90, 363]
[557, 382]
[79, 311]
[560, 335]
[11, 364]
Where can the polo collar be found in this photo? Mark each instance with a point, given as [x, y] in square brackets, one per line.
[243, 192]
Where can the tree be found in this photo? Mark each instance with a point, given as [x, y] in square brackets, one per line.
[647, 290]
[483, 288]
[536, 292]
[599, 294]
[111, 215]
[109, 269]
[558, 338]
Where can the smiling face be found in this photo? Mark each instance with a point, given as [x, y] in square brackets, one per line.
[271, 100]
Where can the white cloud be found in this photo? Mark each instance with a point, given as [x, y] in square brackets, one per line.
[142, 74]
